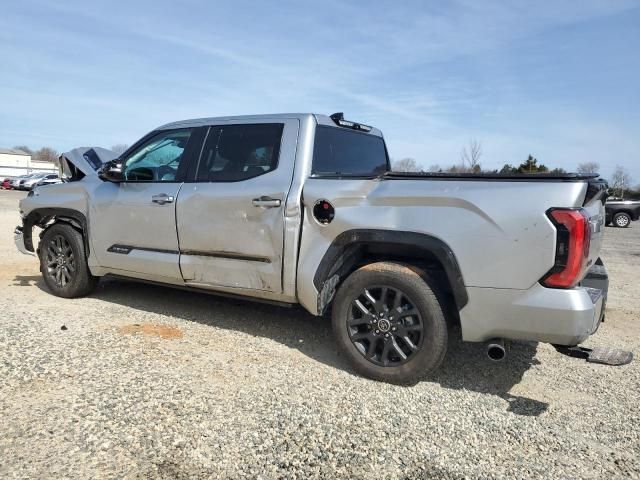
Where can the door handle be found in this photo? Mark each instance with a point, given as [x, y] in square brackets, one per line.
[266, 202]
[162, 198]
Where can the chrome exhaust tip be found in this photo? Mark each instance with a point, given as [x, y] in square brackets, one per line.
[496, 350]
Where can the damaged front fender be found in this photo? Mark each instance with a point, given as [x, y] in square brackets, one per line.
[66, 202]
[43, 217]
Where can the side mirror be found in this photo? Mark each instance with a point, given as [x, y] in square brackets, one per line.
[111, 171]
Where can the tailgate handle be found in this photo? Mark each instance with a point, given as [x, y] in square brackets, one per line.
[162, 198]
[266, 202]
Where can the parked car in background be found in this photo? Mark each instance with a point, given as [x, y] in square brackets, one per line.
[49, 179]
[5, 184]
[29, 183]
[620, 213]
[15, 183]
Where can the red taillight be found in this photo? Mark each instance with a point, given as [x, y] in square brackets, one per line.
[572, 247]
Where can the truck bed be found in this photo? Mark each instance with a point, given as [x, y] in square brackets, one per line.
[521, 177]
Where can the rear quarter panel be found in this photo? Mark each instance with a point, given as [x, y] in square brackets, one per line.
[498, 230]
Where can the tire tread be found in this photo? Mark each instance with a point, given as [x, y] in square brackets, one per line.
[423, 292]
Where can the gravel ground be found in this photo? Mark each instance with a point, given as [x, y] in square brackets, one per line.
[147, 381]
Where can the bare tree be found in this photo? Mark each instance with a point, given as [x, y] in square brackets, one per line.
[405, 165]
[470, 156]
[45, 154]
[588, 167]
[24, 149]
[620, 181]
[435, 168]
[119, 148]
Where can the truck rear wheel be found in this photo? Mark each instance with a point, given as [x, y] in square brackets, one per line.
[621, 220]
[63, 262]
[389, 323]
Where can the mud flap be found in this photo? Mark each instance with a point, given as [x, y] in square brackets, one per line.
[602, 355]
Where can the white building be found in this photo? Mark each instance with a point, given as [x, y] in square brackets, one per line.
[17, 162]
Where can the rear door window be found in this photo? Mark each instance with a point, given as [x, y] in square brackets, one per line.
[341, 152]
[233, 153]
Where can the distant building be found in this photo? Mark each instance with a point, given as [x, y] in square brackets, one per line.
[16, 162]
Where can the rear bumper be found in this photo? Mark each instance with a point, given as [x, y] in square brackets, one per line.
[565, 317]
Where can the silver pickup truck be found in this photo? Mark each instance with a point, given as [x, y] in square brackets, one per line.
[303, 209]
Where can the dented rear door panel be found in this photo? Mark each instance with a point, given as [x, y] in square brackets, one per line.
[226, 240]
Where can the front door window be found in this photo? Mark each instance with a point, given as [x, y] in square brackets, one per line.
[157, 160]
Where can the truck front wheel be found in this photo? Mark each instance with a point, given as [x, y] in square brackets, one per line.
[63, 262]
[389, 323]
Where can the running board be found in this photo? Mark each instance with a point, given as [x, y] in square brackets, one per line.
[602, 355]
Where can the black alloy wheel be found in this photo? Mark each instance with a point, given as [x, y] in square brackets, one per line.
[389, 321]
[60, 261]
[385, 326]
[63, 262]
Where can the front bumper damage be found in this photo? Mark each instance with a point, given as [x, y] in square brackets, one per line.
[19, 240]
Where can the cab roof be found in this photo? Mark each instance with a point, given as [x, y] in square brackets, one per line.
[319, 118]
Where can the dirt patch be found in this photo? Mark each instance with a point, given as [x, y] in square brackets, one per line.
[163, 331]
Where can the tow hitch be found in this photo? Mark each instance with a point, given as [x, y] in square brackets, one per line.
[603, 355]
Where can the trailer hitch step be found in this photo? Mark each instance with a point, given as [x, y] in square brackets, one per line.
[603, 355]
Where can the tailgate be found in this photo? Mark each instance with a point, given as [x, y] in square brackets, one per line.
[594, 205]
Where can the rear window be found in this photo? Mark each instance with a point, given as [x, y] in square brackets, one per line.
[338, 151]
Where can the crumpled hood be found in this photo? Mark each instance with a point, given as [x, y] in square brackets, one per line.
[86, 159]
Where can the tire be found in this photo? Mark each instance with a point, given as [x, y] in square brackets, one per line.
[622, 220]
[375, 342]
[63, 262]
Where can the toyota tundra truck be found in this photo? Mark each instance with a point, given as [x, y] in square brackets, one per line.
[304, 209]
